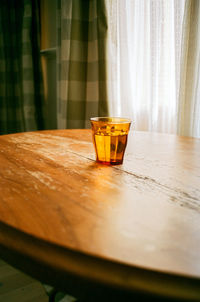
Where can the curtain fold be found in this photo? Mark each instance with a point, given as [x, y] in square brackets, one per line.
[81, 68]
[189, 93]
[20, 71]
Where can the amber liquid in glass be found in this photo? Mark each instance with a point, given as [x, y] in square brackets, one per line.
[110, 147]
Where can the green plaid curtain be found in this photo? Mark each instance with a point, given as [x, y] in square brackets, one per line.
[82, 29]
[20, 73]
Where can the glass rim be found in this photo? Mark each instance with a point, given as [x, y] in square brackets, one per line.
[113, 120]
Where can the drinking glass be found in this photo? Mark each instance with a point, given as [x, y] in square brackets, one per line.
[110, 138]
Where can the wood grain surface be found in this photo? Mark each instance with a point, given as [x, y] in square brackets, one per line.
[144, 214]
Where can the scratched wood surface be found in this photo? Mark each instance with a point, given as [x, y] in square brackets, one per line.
[144, 213]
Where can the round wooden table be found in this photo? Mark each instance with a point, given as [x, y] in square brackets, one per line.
[106, 232]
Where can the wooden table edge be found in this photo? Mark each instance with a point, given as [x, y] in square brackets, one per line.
[66, 268]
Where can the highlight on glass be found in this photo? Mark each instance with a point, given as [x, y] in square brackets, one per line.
[110, 138]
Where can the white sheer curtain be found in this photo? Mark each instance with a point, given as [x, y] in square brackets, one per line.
[145, 51]
[189, 92]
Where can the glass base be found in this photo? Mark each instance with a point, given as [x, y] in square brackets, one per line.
[109, 163]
